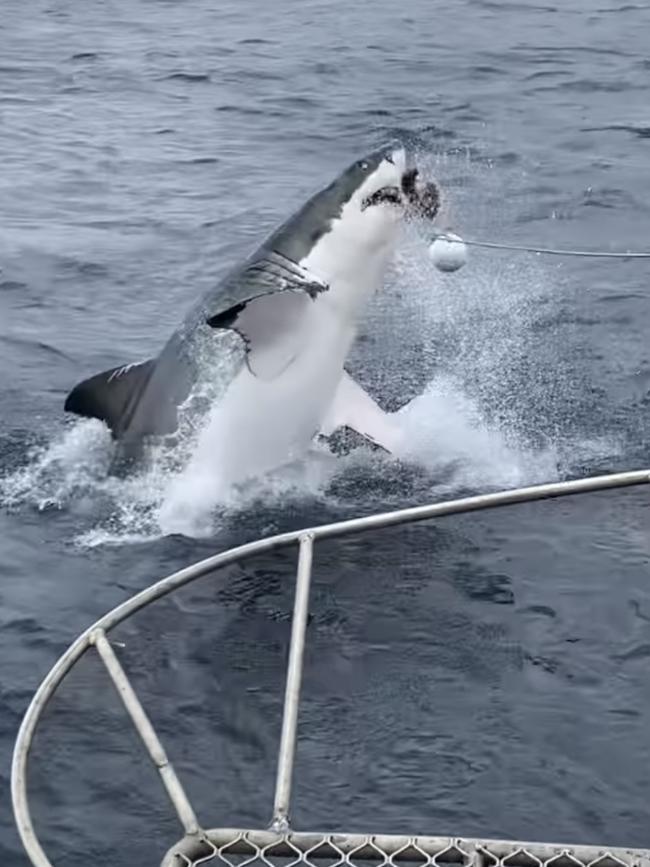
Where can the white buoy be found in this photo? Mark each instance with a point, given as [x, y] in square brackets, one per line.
[448, 252]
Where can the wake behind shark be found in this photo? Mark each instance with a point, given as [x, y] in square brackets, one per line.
[295, 303]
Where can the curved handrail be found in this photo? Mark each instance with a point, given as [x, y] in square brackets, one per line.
[217, 561]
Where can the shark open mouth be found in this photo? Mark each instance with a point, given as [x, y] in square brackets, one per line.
[384, 196]
[421, 199]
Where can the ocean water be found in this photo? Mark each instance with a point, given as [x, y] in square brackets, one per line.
[483, 675]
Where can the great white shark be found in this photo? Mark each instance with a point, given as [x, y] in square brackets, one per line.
[296, 303]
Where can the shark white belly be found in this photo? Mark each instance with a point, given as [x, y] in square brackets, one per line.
[263, 423]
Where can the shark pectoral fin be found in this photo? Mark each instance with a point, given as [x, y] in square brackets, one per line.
[354, 408]
[113, 396]
[265, 303]
[270, 276]
[272, 328]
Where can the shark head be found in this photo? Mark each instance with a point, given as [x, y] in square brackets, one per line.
[346, 234]
[388, 181]
[362, 207]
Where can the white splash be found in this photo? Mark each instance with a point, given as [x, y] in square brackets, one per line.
[444, 426]
[460, 349]
[75, 459]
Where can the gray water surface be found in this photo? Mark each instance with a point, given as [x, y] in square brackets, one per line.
[484, 676]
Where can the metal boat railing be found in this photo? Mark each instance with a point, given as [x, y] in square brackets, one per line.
[280, 843]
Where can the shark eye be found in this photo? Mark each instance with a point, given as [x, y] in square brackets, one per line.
[363, 165]
[389, 159]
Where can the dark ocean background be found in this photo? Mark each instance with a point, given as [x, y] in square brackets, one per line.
[486, 675]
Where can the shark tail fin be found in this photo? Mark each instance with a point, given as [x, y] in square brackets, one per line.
[113, 396]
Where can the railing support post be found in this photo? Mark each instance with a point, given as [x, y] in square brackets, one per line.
[147, 733]
[287, 750]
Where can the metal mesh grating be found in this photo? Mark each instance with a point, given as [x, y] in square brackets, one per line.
[234, 848]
